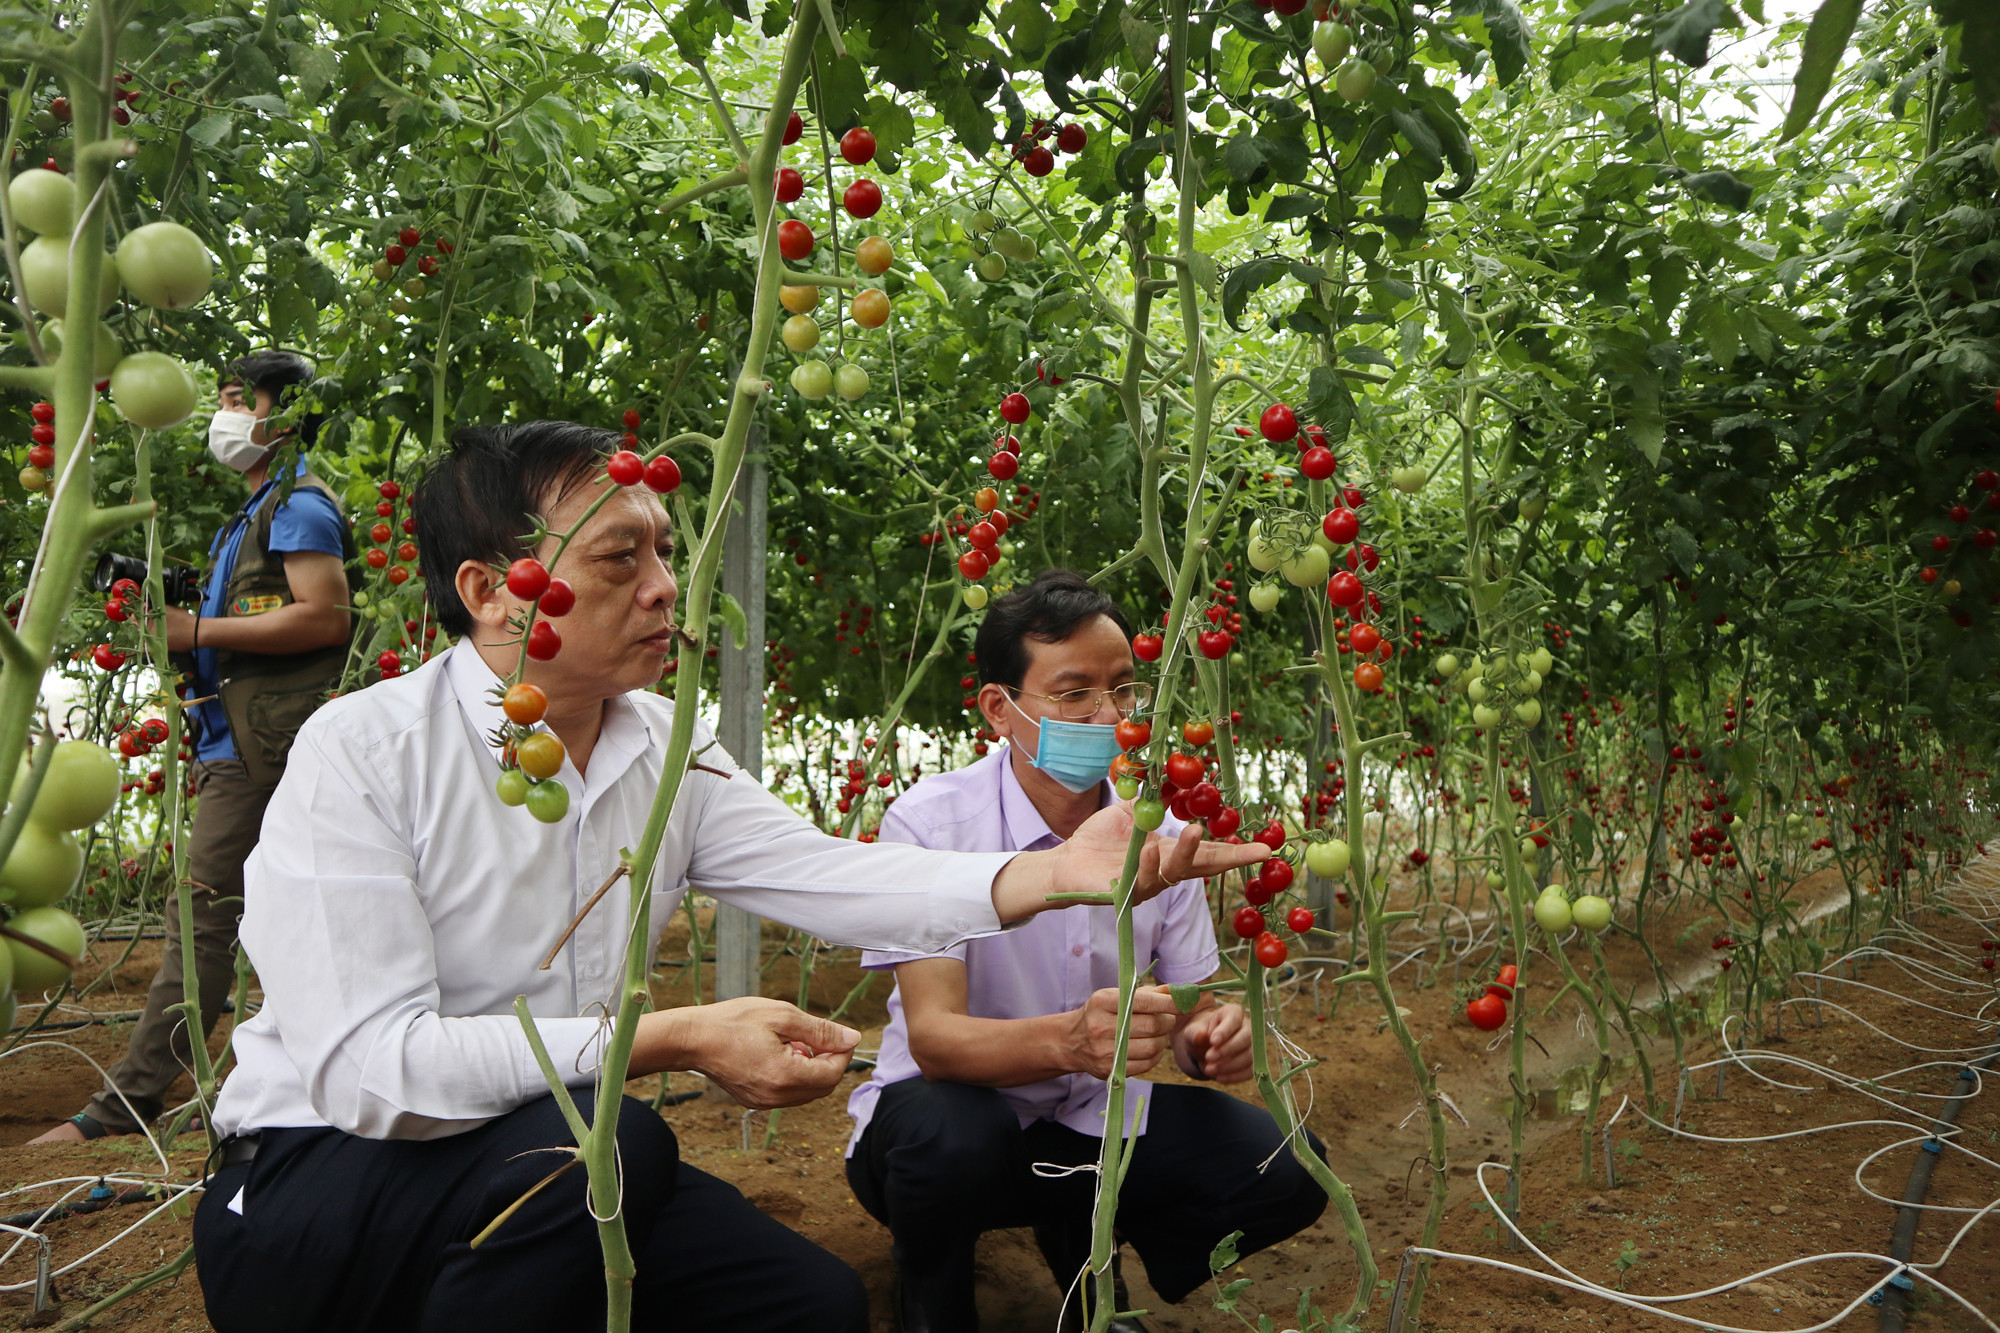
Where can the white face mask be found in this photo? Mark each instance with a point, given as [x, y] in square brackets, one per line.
[229, 440]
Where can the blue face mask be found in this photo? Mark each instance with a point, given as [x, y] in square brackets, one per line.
[1076, 754]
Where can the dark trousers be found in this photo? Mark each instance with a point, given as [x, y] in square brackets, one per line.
[343, 1234]
[942, 1162]
[228, 813]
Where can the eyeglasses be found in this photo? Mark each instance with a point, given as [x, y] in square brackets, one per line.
[1075, 705]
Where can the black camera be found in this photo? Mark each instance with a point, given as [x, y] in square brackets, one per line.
[182, 585]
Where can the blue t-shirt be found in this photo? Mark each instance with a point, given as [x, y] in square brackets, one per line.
[306, 521]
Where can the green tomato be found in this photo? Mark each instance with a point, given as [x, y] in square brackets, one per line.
[1266, 595]
[1355, 79]
[1534, 507]
[800, 332]
[42, 868]
[165, 265]
[1496, 879]
[80, 788]
[1327, 859]
[992, 266]
[1531, 681]
[361, 599]
[45, 275]
[1127, 788]
[1528, 849]
[512, 788]
[981, 222]
[1332, 42]
[548, 801]
[153, 390]
[975, 595]
[850, 382]
[1478, 690]
[1529, 711]
[1447, 665]
[1540, 662]
[44, 202]
[1591, 912]
[35, 971]
[1262, 558]
[108, 351]
[1307, 569]
[1237, 661]
[1217, 116]
[1409, 479]
[1552, 913]
[1485, 716]
[1148, 813]
[812, 379]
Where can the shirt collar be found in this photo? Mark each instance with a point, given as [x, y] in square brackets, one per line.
[1026, 829]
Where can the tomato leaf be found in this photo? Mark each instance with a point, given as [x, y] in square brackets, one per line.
[731, 612]
[1247, 277]
[1685, 31]
[1224, 1254]
[1286, 207]
[1511, 40]
[1978, 47]
[1826, 41]
[1722, 187]
[1186, 995]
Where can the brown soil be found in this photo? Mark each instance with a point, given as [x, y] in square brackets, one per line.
[1695, 1214]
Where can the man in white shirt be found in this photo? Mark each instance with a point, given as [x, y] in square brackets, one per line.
[997, 1049]
[387, 1107]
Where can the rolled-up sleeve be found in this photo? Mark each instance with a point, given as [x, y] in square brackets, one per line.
[754, 851]
[336, 927]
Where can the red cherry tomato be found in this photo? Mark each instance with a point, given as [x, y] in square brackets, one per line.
[863, 199]
[389, 490]
[1248, 923]
[543, 641]
[1300, 919]
[1003, 464]
[1148, 647]
[1487, 1013]
[1317, 463]
[1214, 644]
[1184, 770]
[974, 564]
[1204, 800]
[559, 600]
[631, 418]
[625, 467]
[1368, 678]
[1225, 821]
[527, 578]
[787, 184]
[1270, 950]
[1277, 874]
[857, 146]
[1279, 423]
[1072, 137]
[1503, 986]
[663, 474]
[1038, 161]
[1132, 734]
[1343, 589]
[1014, 408]
[410, 236]
[1272, 835]
[795, 239]
[793, 129]
[1364, 639]
[47, 412]
[377, 558]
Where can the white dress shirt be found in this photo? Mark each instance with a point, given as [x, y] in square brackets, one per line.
[394, 908]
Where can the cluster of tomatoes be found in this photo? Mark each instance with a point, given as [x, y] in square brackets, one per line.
[1988, 947]
[1035, 152]
[814, 379]
[530, 759]
[136, 742]
[397, 254]
[660, 474]
[857, 782]
[381, 534]
[982, 535]
[1723, 944]
[124, 101]
[1487, 1010]
[41, 449]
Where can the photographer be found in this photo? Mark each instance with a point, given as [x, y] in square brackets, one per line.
[268, 641]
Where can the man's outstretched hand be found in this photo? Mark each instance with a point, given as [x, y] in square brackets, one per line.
[1094, 858]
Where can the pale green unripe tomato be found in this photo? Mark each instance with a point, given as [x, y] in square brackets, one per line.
[1237, 661]
[1534, 507]
[43, 201]
[1332, 43]
[1329, 858]
[1307, 569]
[975, 595]
[1324, 542]
[1409, 479]
[981, 222]
[79, 789]
[1532, 681]
[1552, 913]
[1148, 813]
[1527, 848]
[992, 266]
[850, 382]
[1496, 880]
[800, 332]
[42, 868]
[812, 379]
[1484, 716]
[1529, 711]
[1447, 666]
[1591, 912]
[512, 787]
[1478, 690]
[1541, 661]
[35, 971]
[1264, 596]
[1262, 558]
[1354, 80]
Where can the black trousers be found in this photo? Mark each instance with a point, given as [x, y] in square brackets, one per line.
[942, 1162]
[344, 1234]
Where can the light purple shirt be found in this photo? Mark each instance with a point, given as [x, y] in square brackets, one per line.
[1048, 965]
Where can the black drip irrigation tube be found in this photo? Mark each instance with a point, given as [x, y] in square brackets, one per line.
[101, 1197]
[1896, 1296]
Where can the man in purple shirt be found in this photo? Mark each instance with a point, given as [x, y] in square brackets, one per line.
[996, 1052]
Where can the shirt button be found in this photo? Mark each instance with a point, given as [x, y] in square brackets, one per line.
[1076, 949]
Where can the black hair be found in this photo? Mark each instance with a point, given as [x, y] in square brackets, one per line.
[1052, 608]
[478, 500]
[276, 371]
